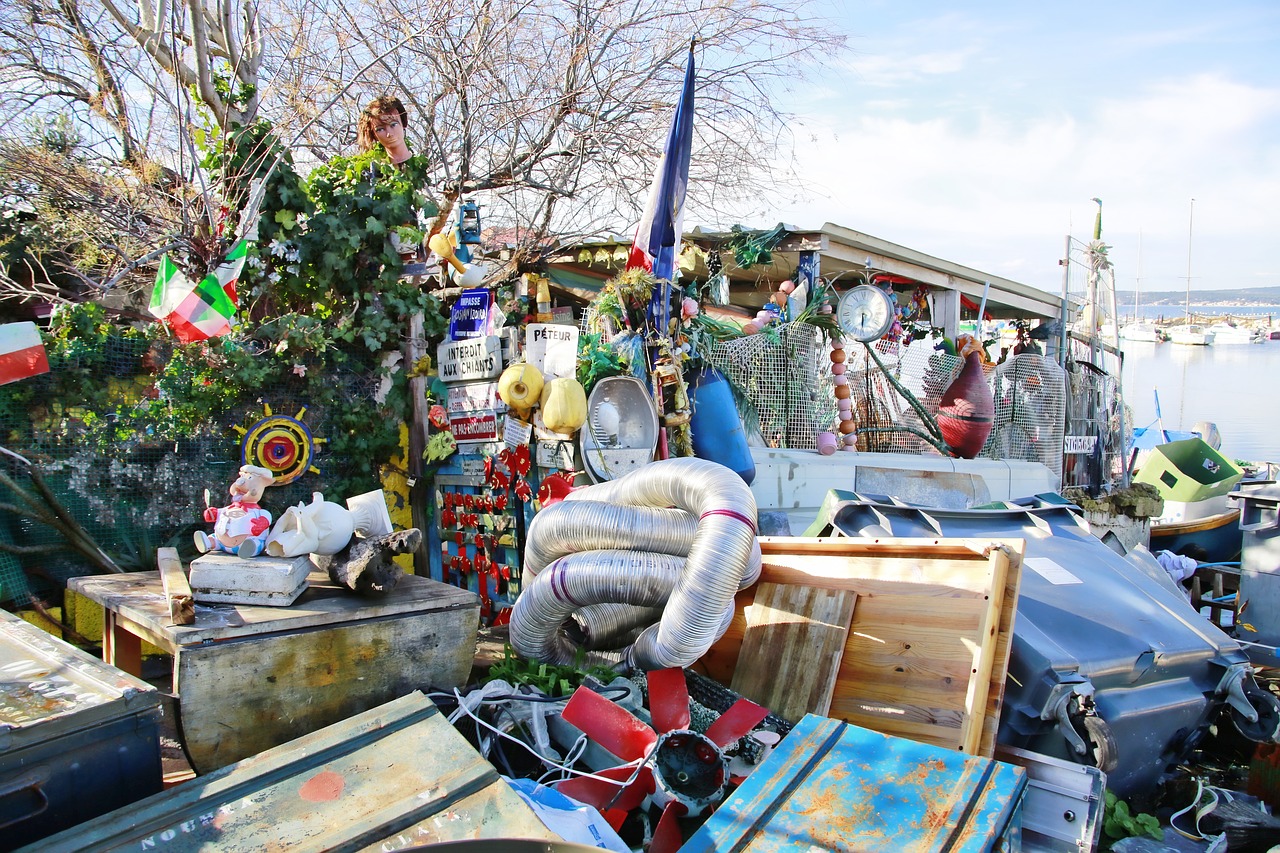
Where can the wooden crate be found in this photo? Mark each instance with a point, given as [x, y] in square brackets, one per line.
[926, 651]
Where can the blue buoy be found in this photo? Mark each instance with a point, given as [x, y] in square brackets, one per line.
[718, 434]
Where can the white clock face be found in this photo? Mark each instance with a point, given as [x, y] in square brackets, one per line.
[865, 313]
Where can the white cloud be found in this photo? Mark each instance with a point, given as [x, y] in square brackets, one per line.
[998, 190]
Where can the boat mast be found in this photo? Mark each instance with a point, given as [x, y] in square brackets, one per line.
[1190, 221]
[1137, 293]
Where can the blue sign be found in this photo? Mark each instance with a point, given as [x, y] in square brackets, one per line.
[469, 317]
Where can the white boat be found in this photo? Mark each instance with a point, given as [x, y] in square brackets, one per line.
[1225, 333]
[1190, 335]
[1148, 332]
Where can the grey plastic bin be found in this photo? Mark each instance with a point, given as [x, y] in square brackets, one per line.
[1259, 596]
[1108, 665]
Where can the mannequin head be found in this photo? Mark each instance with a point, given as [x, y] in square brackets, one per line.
[384, 121]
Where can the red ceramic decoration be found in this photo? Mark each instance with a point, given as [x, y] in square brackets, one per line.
[967, 411]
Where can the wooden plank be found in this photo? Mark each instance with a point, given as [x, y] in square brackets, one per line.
[927, 651]
[121, 647]
[791, 648]
[182, 603]
[980, 683]
[415, 346]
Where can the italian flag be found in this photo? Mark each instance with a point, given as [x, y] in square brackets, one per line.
[198, 311]
[21, 352]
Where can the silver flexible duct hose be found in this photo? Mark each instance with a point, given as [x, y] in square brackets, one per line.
[569, 527]
[717, 561]
[578, 581]
[614, 626]
[722, 556]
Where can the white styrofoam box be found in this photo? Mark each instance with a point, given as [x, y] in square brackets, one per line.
[228, 579]
[797, 481]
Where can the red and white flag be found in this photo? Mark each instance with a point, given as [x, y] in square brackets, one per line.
[21, 352]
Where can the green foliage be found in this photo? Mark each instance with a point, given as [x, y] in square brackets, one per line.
[1119, 821]
[597, 360]
[550, 679]
[751, 247]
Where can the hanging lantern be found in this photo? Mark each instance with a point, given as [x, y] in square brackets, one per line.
[469, 223]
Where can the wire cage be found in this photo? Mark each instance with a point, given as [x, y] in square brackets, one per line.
[785, 376]
[1030, 394]
[887, 421]
[1099, 427]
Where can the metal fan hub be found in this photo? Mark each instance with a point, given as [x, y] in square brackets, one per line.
[690, 769]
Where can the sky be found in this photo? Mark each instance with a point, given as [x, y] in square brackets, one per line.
[980, 132]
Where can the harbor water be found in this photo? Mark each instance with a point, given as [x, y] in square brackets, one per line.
[1234, 386]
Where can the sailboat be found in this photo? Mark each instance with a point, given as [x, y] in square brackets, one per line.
[1189, 333]
[1138, 330]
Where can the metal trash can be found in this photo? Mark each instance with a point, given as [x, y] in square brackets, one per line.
[1258, 600]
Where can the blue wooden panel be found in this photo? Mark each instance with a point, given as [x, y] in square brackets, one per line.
[833, 786]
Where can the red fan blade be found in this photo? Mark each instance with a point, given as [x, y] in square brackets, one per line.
[609, 798]
[609, 725]
[668, 699]
[741, 718]
[666, 835]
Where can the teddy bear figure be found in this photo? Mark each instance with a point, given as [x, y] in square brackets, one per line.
[241, 527]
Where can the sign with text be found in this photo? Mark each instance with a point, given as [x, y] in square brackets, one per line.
[471, 396]
[467, 361]
[516, 432]
[477, 426]
[469, 317]
[1079, 443]
[553, 349]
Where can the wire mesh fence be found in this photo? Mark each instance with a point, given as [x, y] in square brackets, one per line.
[786, 379]
[132, 486]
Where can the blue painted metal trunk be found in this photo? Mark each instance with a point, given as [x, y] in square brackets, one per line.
[834, 786]
[78, 738]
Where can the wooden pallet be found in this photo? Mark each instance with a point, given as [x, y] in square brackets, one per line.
[925, 652]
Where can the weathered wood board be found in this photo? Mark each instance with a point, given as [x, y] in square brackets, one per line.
[927, 650]
[182, 604]
[791, 648]
[302, 681]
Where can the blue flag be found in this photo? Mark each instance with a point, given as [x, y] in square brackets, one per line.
[657, 240]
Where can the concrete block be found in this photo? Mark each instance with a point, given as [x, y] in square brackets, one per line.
[228, 579]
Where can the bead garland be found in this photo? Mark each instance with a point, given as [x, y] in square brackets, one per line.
[844, 396]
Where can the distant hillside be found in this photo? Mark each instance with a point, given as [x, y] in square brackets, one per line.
[1234, 296]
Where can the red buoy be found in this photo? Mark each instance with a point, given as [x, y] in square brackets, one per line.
[967, 410]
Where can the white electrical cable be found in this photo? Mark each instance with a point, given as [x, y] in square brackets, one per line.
[637, 764]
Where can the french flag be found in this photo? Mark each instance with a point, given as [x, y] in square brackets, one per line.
[657, 239]
[21, 352]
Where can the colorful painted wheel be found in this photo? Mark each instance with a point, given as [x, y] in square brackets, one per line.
[281, 444]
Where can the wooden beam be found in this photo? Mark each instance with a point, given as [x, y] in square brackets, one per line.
[177, 590]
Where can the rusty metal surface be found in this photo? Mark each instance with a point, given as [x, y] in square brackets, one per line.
[395, 777]
[833, 786]
[78, 738]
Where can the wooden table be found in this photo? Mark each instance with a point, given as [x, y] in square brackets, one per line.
[248, 678]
